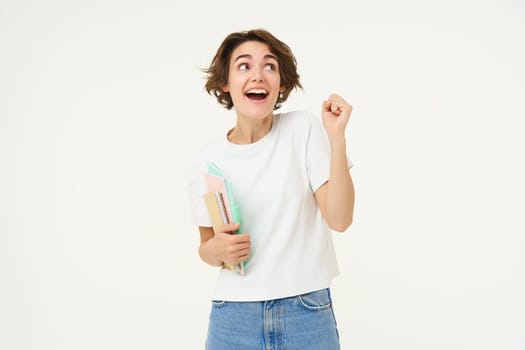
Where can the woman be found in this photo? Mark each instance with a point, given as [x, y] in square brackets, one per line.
[292, 182]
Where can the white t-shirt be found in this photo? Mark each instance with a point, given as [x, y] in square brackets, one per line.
[274, 180]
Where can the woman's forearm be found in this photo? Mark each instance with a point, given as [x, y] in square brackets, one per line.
[340, 192]
[208, 253]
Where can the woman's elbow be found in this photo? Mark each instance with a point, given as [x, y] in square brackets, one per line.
[341, 226]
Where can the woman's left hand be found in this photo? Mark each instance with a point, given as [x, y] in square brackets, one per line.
[336, 114]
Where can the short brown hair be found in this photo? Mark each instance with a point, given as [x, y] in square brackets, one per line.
[219, 69]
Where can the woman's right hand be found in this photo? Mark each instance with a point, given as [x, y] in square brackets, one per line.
[230, 248]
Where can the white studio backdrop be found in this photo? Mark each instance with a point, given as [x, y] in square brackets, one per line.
[102, 104]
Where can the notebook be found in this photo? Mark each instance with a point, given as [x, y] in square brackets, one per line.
[221, 204]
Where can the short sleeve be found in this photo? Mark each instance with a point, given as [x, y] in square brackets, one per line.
[196, 191]
[318, 154]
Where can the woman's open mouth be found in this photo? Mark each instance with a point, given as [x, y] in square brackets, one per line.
[257, 94]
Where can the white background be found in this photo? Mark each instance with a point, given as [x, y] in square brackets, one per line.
[102, 104]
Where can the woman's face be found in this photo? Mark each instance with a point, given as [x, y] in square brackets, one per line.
[253, 80]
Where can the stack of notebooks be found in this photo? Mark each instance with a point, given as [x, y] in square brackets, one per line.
[221, 204]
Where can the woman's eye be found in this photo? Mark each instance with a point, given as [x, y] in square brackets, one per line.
[243, 66]
[270, 66]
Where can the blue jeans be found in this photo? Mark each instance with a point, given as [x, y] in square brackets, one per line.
[303, 322]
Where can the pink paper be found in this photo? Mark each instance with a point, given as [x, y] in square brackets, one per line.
[217, 184]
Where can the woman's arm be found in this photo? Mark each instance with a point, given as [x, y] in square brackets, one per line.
[336, 196]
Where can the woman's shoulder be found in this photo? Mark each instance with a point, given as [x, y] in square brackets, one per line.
[298, 118]
[298, 115]
[204, 152]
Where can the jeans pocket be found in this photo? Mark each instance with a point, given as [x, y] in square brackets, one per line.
[316, 301]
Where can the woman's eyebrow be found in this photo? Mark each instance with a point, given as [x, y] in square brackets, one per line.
[242, 56]
[268, 56]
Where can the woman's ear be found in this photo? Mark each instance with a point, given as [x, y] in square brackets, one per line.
[225, 88]
[282, 89]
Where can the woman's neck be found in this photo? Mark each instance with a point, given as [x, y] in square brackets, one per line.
[248, 131]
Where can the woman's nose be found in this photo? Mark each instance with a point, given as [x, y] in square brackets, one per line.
[257, 74]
